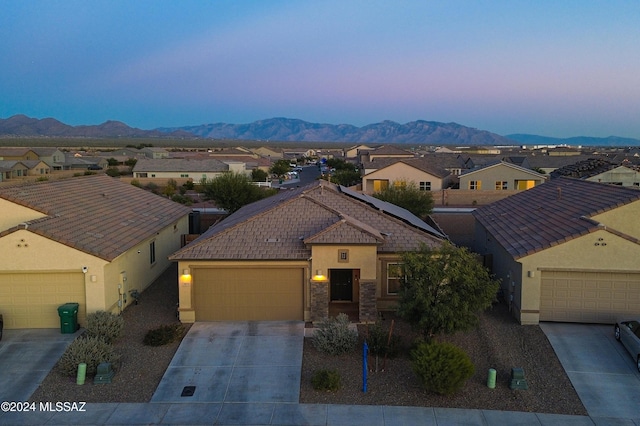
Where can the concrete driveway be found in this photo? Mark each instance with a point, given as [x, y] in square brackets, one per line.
[236, 362]
[600, 369]
[26, 357]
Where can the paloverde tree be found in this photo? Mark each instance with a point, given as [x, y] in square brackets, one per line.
[407, 195]
[280, 168]
[445, 290]
[232, 190]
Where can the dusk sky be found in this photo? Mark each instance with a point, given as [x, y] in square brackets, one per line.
[553, 68]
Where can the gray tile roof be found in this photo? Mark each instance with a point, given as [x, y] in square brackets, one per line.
[277, 227]
[180, 165]
[550, 213]
[426, 164]
[96, 214]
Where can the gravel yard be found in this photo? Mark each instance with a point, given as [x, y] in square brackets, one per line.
[500, 343]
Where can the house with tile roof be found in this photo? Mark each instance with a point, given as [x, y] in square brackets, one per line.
[293, 255]
[423, 171]
[186, 168]
[500, 176]
[91, 240]
[566, 251]
[383, 151]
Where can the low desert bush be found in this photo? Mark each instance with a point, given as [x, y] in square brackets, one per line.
[105, 325]
[90, 350]
[163, 335]
[380, 343]
[442, 367]
[326, 380]
[334, 336]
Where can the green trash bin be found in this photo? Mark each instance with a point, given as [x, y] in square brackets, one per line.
[68, 318]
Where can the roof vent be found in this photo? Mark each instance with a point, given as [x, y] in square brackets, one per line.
[272, 240]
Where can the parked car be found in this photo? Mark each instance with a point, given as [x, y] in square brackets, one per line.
[628, 333]
[94, 167]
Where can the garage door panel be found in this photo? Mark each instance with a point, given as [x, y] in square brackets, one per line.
[31, 300]
[229, 294]
[590, 297]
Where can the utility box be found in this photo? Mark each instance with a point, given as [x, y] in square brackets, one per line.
[68, 314]
[517, 379]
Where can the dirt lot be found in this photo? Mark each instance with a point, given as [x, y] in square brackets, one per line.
[499, 342]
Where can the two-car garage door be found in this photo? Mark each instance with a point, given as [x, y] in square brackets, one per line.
[261, 294]
[589, 297]
[31, 300]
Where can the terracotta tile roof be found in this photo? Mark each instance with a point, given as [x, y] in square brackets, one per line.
[550, 213]
[96, 214]
[278, 227]
[426, 164]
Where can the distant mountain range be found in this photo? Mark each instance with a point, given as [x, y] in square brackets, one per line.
[286, 129]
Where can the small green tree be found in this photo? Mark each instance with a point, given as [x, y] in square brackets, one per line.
[259, 175]
[280, 167]
[232, 190]
[407, 195]
[444, 290]
[345, 177]
[112, 162]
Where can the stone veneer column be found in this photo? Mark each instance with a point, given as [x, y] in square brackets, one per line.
[368, 310]
[319, 300]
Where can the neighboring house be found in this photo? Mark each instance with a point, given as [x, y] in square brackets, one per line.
[354, 151]
[600, 170]
[78, 162]
[385, 151]
[36, 167]
[289, 256]
[269, 152]
[548, 164]
[500, 176]
[12, 169]
[91, 240]
[52, 156]
[422, 171]
[179, 168]
[155, 153]
[565, 251]
[18, 154]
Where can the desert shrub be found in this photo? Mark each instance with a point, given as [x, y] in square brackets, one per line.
[379, 342]
[89, 173]
[42, 179]
[326, 380]
[334, 337]
[136, 183]
[90, 350]
[105, 325]
[163, 335]
[442, 367]
[189, 184]
[113, 172]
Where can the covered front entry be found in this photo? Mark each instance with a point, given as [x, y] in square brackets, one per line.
[344, 284]
[31, 300]
[588, 297]
[248, 294]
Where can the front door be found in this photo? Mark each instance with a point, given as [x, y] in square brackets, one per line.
[341, 284]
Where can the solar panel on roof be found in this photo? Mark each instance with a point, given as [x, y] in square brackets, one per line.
[393, 210]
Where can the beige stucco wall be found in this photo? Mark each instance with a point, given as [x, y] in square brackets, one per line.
[625, 219]
[14, 214]
[580, 254]
[133, 270]
[25, 251]
[400, 172]
[489, 176]
[621, 174]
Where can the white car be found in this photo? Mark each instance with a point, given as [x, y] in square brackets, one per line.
[628, 333]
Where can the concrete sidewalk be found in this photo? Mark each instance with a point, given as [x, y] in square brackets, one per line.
[291, 414]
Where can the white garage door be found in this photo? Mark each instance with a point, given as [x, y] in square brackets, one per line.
[248, 294]
[31, 300]
[589, 297]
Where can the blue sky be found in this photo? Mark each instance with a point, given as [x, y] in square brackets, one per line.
[555, 68]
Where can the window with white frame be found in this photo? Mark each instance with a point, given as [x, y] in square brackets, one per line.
[501, 185]
[425, 186]
[395, 278]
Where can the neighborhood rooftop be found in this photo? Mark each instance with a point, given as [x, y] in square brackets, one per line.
[95, 214]
[551, 213]
[279, 226]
